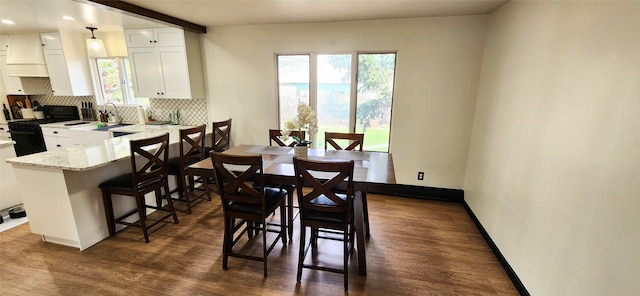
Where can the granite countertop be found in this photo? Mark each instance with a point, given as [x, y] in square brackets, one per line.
[4, 143]
[94, 155]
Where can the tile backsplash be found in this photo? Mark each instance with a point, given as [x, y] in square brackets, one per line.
[192, 111]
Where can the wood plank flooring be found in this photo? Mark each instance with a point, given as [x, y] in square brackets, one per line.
[417, 247]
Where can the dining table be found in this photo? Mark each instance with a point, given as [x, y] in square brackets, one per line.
[370, 169]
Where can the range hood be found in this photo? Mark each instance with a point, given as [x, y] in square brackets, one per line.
[25, 57]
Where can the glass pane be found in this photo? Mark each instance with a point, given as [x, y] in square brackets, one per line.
[374, 96]
[334, 83]
[129, 86]
[293, 85]
[110, 80]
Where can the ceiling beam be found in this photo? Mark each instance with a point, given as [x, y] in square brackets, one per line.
[135, 10]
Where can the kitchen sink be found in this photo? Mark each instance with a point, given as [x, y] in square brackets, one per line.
[108, 127]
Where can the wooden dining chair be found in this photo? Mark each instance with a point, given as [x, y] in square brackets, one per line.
[191, 151]
[245, 204]
[275, 135]
[324, 210]
[354, 140]
[149, 171]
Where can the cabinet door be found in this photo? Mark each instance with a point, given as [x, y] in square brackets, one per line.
[51, 40]
[58, 73]
[146, 73]
[168, 37]
[175, 72]
[139, 37]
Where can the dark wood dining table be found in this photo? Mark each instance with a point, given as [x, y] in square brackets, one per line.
[370, 169]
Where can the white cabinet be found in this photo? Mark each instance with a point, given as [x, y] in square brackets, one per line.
[56, 138]
[165, 63]
[67, 63]
[4, 132]
[154, 37]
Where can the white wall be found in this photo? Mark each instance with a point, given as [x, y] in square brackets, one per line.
[554, 163]
[438, 66]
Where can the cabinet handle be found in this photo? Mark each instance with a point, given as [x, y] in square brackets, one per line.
[55, 132]
[155, 41]
[58, 145]
[150, 41]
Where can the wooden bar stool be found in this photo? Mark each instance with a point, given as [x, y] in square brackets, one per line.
[191, 150]
[324, 210]
[148, 174]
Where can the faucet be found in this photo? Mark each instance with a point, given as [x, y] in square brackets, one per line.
[117, 112]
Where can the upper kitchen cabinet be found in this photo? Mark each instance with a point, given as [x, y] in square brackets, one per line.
[18, 85]
[67, 63]
[165, 63]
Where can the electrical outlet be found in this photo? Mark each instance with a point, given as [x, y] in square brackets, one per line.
[420, 175]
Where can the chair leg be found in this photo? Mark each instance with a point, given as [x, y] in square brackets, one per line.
[170, 202]
[365, 213]
[184, 192]
[301, 253]
[290, 210]
[227, 241]
[108, 210]
[143, 216]
[283, 227]
[345, 258]
[264, 246]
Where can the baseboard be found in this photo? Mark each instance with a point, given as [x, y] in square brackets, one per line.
[435, 193]
[503, 261]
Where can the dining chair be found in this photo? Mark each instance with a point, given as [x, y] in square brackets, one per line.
[275, 135]
[250, 205]
[191, 150]
[354, 140]
[325, 211]
[148, 174]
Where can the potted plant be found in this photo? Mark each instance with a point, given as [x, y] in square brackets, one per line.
[305, 120]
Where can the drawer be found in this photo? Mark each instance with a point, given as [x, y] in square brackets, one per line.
[54, 143]
[55, 132]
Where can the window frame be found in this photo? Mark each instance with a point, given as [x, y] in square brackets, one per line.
[124, 81]
[353, 96]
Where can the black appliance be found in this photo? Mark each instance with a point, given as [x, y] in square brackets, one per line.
[27, 134]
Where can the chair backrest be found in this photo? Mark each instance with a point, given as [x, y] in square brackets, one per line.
[357, 140]
[235, 176]
[221, 135]
[149, 160]
[322, 196]
[192, 145]
[275, 136]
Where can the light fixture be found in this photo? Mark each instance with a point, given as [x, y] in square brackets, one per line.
[8, 22]
[95, 48]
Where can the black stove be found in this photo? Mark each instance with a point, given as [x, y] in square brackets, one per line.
[27, 134]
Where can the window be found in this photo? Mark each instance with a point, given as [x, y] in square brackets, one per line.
[326, 83]
[115, 82]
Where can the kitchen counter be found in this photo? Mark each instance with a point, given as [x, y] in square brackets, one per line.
[6, 143]
[98, 154]
[59, 188]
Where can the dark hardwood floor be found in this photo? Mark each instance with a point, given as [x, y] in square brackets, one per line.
[417, 247]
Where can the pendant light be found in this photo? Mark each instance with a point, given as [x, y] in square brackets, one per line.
[95, 47]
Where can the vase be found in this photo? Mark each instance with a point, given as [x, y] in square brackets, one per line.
[301, 151]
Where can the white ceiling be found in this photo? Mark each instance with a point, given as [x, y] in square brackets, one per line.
[46, 15]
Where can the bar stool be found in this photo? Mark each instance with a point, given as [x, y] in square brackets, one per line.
[148, 174]
[191, 151]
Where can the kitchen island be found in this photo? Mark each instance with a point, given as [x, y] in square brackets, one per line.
[9, 195]
[60, 191]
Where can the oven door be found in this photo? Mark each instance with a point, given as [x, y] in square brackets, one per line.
[27, 140]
